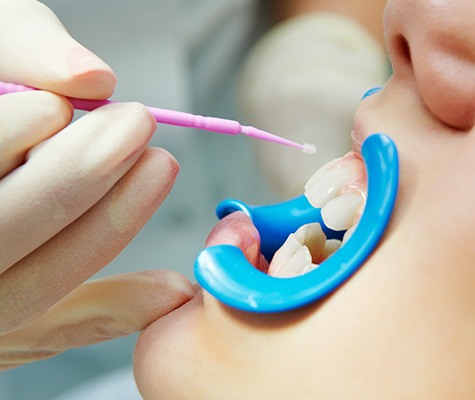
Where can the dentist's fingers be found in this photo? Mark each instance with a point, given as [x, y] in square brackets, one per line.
[27, 119]
[97, 311]
[48, 274]
[37, 51]
[67, 174]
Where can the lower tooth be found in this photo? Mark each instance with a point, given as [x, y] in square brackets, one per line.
[312, 236]
[283, 266]
[301, 251]
[294, 265]
[340, 213]
[331, 246]
[283, 255]
[309, 268]
[348, 234]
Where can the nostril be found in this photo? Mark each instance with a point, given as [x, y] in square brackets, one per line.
[403, 48]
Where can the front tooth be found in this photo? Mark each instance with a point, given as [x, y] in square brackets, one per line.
[341, 212]
[284, 254]
[290, 259]
[296, 254]
[325, 185]
[296, 264]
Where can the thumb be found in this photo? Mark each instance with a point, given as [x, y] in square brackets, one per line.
[36, 50]
[96, 311]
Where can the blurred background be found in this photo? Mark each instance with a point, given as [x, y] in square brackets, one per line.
[178, 54]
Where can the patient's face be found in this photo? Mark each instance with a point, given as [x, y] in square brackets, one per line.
[403, 324]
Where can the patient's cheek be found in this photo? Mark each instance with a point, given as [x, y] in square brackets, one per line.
[447, 84]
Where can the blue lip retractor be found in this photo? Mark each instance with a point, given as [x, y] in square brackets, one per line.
[224, 271]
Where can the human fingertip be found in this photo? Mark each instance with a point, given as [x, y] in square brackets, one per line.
[169, 164]
[172, 281]
[90, 77]
[85, 76]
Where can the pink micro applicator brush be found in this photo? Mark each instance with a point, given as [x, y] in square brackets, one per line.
[178, 118]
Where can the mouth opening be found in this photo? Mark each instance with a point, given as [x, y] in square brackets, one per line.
[356, 192]
[339, 190]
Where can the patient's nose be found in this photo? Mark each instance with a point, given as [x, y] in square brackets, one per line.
[433, 43]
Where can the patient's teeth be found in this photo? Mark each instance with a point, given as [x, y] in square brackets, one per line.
[285, 252]
[338, 176]
[308, 268]
[341, 212]
[290, 259]
[338, 188]
[312, 236]
[331, 246]
[296, 254]
[348, 234]
[325, 185]
[299, 261]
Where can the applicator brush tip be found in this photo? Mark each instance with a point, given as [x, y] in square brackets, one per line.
[309, 148]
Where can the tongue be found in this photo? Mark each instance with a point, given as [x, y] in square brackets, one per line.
[237, 229]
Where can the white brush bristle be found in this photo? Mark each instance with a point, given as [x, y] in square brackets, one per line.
[309, 148]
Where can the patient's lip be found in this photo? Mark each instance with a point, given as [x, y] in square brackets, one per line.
[357, 139]
[238, 230]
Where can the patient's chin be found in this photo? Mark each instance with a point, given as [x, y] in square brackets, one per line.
[164, 347]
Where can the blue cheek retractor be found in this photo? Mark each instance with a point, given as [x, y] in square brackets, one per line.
[224, 271]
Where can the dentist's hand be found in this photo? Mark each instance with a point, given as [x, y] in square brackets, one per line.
[71, 196]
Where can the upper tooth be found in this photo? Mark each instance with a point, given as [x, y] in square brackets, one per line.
[335, 177]
[325, 185]
[341, 212]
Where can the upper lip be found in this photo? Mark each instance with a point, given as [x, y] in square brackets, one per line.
[357, 135]
[357, 141]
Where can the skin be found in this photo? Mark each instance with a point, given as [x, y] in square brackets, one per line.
[73, 196]
[367, 12]
[403, 326]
